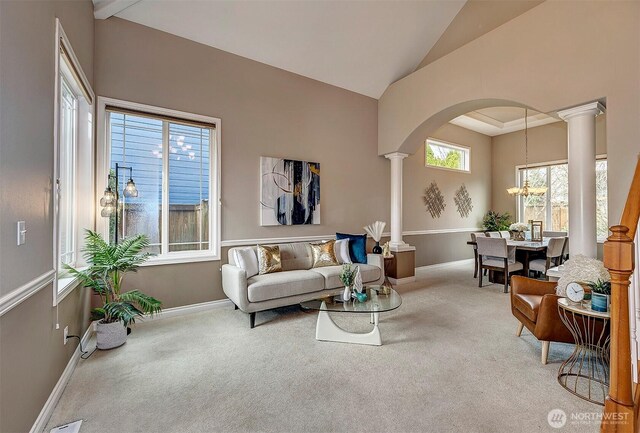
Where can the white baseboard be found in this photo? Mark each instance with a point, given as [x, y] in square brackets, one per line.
[189, 309]
[446, 264]
[56, 393]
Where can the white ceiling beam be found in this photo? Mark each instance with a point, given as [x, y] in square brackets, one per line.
[103, 9]
[480, 123]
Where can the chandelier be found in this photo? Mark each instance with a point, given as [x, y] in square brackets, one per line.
[526, 190]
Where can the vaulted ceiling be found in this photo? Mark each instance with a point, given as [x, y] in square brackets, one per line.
[359, 45]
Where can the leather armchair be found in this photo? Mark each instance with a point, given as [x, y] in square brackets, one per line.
[535, 304]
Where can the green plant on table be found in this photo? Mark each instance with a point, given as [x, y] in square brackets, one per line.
[107, 265]
[496, 221]
[348, 274]
[600, 286]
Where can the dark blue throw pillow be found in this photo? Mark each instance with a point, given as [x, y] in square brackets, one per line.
[357, 246]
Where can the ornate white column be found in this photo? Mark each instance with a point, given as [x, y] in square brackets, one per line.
[581, 132]
[396, 243]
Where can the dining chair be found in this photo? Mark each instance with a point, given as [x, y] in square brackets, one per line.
[495, 255]
[506, 234]
[555, 251]
[494, 234]
[550, 234]
[475, 236]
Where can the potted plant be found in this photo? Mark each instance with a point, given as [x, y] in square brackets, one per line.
[517, 231]
[600, 295]
[106, 267]
[496, 221]
[347, 276]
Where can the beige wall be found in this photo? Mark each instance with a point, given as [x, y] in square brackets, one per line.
[417, 178]
[548, 58]
[444, 247]
[32, 354]
[265, 111]
[476, 18]
[546, 143]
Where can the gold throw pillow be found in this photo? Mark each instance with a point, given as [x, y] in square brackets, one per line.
[323, 255]
[268, 259]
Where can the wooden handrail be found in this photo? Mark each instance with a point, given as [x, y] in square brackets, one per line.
[620, 409]
[631, 212]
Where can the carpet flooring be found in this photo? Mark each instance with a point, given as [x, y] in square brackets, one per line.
[450, 362]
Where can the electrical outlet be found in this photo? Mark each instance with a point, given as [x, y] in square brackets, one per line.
[66, 334]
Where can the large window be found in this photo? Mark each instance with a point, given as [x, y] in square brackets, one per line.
[552, 208]
[73, 162]
[173, 159]
[66, 182]
[446, 155]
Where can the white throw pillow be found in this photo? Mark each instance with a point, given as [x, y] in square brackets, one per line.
[341, 251]
[246, 259]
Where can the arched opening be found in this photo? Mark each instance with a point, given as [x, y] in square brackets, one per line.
[497, 163]
[416, 139]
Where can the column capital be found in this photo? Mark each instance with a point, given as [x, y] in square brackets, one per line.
[396, 155]
[592, 109]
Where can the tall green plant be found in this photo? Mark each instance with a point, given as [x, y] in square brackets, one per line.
[496, 221]
[107, 265]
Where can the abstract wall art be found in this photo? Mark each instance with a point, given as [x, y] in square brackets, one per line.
[290, 192]
[434, 200]
[463, 201]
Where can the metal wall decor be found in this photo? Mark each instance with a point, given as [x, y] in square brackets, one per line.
[463, 201]
[434, 200]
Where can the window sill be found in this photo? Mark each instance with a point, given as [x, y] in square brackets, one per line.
[453, 170]
[66, 285]
[178, 258]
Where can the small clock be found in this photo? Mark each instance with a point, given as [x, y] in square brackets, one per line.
[575, 292]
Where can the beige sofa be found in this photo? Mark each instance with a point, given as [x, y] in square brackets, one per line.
[297, 282]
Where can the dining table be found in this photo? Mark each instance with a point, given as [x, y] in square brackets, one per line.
[525, 250]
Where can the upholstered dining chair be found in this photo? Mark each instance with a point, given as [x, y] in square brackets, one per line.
[494, 234]
[555, 251]
[506, 234]
[494, 255]
[550, 234]
[535, 304]
[475, 236]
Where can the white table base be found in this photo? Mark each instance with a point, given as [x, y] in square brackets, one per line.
[327, 330]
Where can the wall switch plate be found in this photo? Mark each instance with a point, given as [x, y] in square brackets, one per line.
[22, 232]
[66, 334]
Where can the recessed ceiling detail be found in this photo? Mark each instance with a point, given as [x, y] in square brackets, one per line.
[501, 120]
[362, 46]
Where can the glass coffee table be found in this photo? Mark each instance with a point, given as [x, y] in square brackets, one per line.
[379, 300]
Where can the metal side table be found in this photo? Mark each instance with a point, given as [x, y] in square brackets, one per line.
[586, 372]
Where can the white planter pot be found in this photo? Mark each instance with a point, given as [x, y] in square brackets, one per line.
[110, 335]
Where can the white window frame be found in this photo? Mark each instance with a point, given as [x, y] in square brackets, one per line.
[442, 143]
[548, 164]
[104, 162]
[83, 157]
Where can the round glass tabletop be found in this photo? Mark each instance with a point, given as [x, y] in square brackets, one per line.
[379, 299]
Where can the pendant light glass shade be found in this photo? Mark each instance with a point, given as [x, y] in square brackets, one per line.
[108, 210]
[130, 190]
[109, 198]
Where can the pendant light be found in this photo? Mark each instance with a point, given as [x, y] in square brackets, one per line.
[526, 190]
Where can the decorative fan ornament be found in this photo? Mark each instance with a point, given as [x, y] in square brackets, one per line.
[463, 201]
[434, 200]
